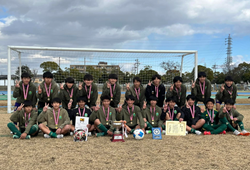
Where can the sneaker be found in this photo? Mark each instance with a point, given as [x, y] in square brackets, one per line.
[245, 133]
[15, 137]
[60, 136]
[197, 132]
[186, 132]
[224, 132]
[148, 131]
[237, 133]
[71, 133]
[207, 133]
[89, 134]
[11, 132]
[163, 132]
[28, 137]
[46, 136]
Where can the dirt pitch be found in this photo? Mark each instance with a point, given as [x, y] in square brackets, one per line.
[189, 152]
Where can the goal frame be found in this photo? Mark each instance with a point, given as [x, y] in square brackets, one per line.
[16, 48]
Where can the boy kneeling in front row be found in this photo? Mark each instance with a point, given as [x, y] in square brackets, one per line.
[131, 114]
[103, 117]
[232, 118]
[26, 117]
[192, 115]
[211, 116]
[58, 122]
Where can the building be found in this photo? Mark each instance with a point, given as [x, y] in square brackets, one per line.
[38, 79]
[101, 65]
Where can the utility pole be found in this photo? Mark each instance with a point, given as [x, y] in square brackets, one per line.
[214, 67]
[59, 62]
[137, 63]
[229, 53]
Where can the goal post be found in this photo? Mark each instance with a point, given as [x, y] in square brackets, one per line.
[76, 62]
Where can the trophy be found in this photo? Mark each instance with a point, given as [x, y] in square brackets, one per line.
[118, 135]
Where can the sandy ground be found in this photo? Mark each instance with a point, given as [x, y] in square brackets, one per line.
[188, 152]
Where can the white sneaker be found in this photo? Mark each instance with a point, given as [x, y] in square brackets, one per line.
[236, 132]
[89, 134]
[186, 132]
[197, 132]
[163, 132]
[71, 133]
[245, 133]
[46, 136]
[11, 132]
[60, 136]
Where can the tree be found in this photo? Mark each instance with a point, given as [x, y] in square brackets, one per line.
[50, 66]
[24, 69]
[34, 72]
[208, 71]
[219, 78]
[146, 74]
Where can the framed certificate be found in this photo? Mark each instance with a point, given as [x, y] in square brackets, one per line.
[176, 128]
[81, 122]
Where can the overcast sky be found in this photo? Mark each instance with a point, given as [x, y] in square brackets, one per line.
[199, 25]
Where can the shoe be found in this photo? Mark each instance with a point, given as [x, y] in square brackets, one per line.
[148, 131]
[163, 132]
[89, 134]
[245, 133]
[11, 132]
[15, 137]
[224, 132]
[237, 133]
[28, 137]
[207, 133]
[46, 136]
[186, 132]
[71, 133]
[197, 132]
[60, 136]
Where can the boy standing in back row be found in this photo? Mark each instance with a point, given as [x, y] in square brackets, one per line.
[156, 89]
[25, 90]
[47, 91]
[112, 88]
[201, 88]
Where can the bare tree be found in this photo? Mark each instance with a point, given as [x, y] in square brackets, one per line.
[34, 72]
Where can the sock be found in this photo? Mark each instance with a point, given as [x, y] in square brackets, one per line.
[241, 125]
[220, 129]
[53, 134]
[192, 130]
[132, 131]
[149, 126]
[102, 128]
[100, 134]
[224, 121]
[208, 127]
[13, 129]
[33, 129]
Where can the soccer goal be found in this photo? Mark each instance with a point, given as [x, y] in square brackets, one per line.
[76, 62]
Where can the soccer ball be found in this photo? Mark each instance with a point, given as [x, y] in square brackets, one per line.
[138, 134]
[80, 135]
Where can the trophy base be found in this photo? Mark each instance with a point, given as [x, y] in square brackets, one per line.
[117, 138]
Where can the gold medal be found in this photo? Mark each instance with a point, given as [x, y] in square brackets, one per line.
[153, 122]
[56, 126]
[25, 98]
[231, 96]
[107, 123]
[131, 123]
[48, 99]
[89, 101]
[111, 99]
[212, 124]
[232, 121]
[203, 97]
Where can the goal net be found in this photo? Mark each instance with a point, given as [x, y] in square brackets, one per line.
[76, 62]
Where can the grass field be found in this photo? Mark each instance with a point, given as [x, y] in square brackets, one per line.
[188, 152]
